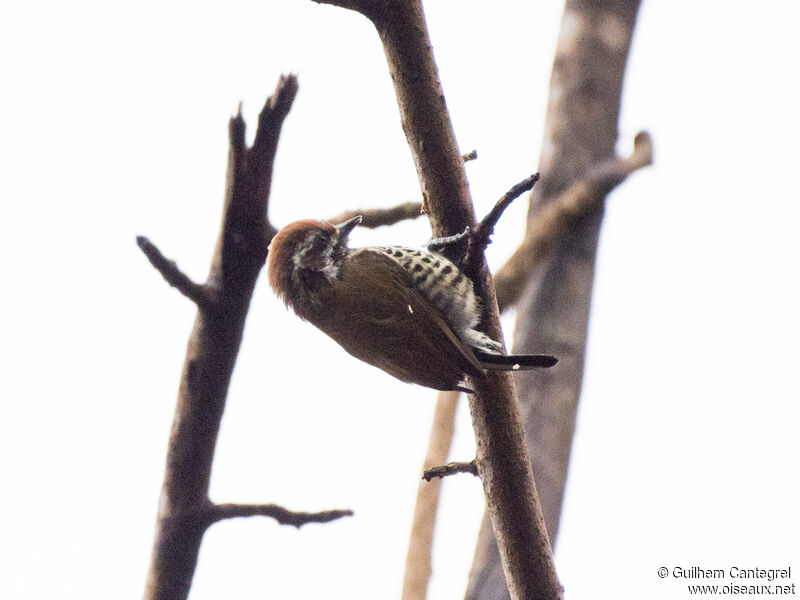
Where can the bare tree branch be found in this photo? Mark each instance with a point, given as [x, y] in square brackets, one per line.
[554, 221]
[475, 240]
[503, 461]
[452, 468]
[550, 224]
[378, 217]
[485, 228]
[552, 311]
[169, 270]
[211, 352]
[418, 559]
[480, 237]
[219, 512]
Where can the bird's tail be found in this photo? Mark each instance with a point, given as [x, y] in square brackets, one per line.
[514, 362]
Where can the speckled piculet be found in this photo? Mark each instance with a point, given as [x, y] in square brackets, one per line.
[410, 312]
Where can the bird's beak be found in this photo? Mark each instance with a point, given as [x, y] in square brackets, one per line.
[348, 226]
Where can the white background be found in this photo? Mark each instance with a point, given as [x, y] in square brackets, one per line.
[114, 123]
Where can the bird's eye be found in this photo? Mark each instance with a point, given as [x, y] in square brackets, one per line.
[320, 243]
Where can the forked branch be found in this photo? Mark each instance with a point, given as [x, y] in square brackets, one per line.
[185, 510]
[470, 244]
[559, 216]
[169, 270]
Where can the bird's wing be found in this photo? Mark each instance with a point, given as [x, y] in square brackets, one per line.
[374, 312]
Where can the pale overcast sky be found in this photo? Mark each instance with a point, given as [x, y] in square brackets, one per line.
[113, 124]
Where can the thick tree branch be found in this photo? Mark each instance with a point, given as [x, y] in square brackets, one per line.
[550, 224]
[452, 468]
[169, 270]
[426, 122]
[552, 311]
[503, 461]
[555, 220]
[211, 352]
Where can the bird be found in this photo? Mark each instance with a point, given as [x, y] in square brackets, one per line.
[410, 312]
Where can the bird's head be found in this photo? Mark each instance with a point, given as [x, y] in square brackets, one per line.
[306, 254]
